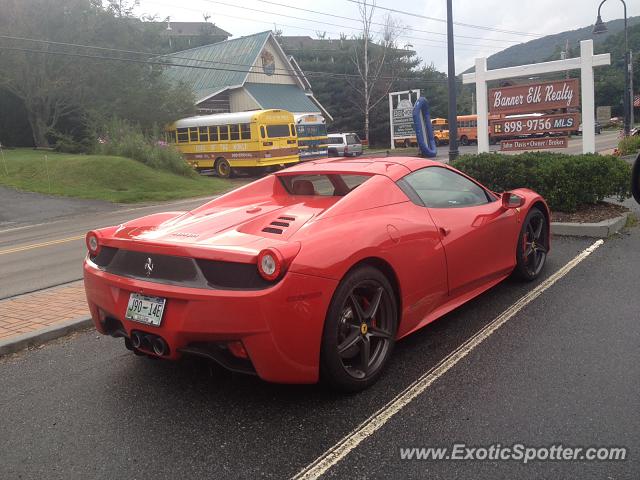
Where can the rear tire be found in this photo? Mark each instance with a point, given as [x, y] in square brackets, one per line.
[359, 331]
[533, 245]
[223, 169]
[464, 140]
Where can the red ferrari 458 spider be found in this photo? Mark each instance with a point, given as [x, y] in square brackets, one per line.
[312, 272]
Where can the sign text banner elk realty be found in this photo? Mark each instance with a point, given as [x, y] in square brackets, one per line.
[534, 98]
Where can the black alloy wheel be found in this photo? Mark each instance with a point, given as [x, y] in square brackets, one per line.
[531, 254]
[360, 330]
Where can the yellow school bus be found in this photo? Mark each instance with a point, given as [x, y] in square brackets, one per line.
[312, 136]
[226, 142]
[440, 130]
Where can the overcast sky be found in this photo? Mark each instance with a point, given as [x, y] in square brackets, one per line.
[541, 17]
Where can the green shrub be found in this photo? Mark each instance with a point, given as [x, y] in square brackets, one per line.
[123, 139]
[629, 145]
[565, 181]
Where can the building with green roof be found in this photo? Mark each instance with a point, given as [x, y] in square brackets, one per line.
[245, 73]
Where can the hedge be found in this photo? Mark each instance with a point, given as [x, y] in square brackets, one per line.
[567, 182]
[121, 138]
[629, 145]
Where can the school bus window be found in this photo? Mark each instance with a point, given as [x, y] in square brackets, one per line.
[262, 134]
[235, 132]
[193, 134]
[171, 136]
[213, 134]
[278, 131]
[224, 132]
[183, 135]
[203, 134]
[245, 131]
[292, 129]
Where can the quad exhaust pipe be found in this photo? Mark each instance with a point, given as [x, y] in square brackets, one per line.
[159, 346]
[156, 344]
[136, 339]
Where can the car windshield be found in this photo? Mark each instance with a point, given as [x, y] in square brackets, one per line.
[323, 185]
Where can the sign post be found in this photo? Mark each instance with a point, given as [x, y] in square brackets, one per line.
[585, 62]
[401, 115]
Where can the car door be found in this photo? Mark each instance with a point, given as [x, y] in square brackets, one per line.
[478, 234]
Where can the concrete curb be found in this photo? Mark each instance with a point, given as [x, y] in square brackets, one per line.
[602, 229]
[20, 342]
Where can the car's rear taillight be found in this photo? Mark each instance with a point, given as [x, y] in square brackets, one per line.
[346, 150]
[270, 263]
[93, 243]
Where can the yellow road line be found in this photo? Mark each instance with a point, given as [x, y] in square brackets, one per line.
[40, 245]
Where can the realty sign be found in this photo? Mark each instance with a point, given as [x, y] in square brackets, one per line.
[533, 125]
[535, 97]
[533, 143]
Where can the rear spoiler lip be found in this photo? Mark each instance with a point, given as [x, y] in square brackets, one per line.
[226, 253]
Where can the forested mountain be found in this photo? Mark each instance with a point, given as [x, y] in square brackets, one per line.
[541, 49]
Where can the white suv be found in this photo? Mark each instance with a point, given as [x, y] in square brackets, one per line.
[344, 145]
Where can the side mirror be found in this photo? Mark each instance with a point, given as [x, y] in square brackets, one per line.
[635, 179]
[511, 200]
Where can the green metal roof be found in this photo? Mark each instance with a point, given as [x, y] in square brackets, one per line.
[232, 60]
[285, 97]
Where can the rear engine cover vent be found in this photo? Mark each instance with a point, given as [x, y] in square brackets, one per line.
[279, 225]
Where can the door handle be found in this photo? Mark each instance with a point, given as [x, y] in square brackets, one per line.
[444, 231]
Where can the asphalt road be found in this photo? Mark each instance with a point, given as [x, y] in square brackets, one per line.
[565, 369]
[40, 255]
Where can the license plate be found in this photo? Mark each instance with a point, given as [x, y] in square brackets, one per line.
[144, 309]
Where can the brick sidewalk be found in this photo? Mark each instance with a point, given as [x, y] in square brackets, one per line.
[36, 311]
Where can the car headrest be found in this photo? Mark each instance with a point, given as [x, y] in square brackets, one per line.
[303, 187]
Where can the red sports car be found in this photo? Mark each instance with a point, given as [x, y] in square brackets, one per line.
[312, 272]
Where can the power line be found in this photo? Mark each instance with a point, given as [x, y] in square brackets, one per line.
[382, 24]
[461, 24]
[437, 43]
[289, 71]
[199, 67]
[333, 24]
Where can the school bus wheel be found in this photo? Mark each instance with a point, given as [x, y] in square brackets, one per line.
[222, 167]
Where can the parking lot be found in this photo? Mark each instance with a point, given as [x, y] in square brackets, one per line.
[561, 369]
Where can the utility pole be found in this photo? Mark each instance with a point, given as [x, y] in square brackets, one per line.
[601, 27]
[453, 110]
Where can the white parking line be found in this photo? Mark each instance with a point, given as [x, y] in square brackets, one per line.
[340, 450]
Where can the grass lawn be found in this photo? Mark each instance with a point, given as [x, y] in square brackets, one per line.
[115, 179]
